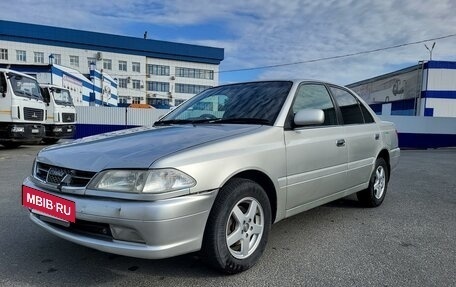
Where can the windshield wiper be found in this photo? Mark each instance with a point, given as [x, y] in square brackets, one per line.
[172, 122]
[240, 121]
[216, 120]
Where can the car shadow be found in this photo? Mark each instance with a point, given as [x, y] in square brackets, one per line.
[346, 202]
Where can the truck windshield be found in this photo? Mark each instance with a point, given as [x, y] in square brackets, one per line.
[246, 103]
[62, 97]
[25, 87]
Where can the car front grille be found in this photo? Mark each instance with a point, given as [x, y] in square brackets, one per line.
[54, 175]
[32, 114]
[68, 117]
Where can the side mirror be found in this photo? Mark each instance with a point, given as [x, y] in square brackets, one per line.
[309, 117]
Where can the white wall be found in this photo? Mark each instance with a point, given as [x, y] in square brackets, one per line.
[118, 116]
[442, 107]
[422, 125]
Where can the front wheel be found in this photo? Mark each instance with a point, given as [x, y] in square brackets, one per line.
[50, 140]
[374, 195]
[238, 227]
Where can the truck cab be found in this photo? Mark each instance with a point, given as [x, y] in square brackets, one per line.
[61, 113]
[22, 109]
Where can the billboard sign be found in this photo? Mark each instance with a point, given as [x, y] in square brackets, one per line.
[394, 88]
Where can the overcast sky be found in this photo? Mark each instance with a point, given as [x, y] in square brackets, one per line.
[259, 33]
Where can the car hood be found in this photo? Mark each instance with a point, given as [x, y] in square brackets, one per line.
[135, 148]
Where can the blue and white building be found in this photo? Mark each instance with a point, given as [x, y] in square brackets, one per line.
[145, 71]
[420, 100]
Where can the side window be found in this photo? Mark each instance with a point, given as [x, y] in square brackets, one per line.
[2, 83]
[314, 96]
[349, 106]
[367, 115]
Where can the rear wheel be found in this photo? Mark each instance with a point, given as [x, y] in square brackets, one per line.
[238, 227]
[374, 195]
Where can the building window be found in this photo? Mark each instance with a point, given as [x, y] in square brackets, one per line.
[194, 73]
[123, 83]
[158, 70]
[91, 61]
[38, 57]
[159, 103]
[57, 59]
[21, 56]
[136, 84]
[157, 86]
[3, 54]
[107, 64]
[178, 102]
[136, 67]
[123, 66]
[136, 100]
[122, 100]
[190, 89]
[74, 61]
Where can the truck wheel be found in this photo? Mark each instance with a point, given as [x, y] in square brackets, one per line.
[238, 227]
[50, 141]
[11, 144]
[374, 195]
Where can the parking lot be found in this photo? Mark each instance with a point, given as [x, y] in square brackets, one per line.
[408, 241]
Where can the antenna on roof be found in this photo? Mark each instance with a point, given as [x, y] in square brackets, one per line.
[145, 35]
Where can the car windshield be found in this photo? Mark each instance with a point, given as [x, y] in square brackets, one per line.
[25, 87]
[249, 103]
[62, 97]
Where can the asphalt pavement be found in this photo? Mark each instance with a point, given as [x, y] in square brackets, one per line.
[410, 240]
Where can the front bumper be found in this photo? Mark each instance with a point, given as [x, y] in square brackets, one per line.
[60, 131]
[143, 229]
[21, 132]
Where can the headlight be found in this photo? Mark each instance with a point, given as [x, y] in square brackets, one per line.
[17, 129]
[142, 181]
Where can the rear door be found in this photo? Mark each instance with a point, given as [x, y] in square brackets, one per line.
[317, 156]
[362, 136]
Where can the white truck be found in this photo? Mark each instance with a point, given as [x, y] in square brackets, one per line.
[61, 113]
[22, 109]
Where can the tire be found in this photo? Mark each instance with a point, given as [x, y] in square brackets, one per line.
[374, 195]
[50, 141]
[11, 145]
[241, 208]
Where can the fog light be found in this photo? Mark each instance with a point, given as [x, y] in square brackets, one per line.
[125, 234]
[17, 129]
[57, 130]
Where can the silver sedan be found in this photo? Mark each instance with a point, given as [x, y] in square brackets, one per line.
[214, 173]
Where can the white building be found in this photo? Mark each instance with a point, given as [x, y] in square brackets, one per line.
[155, 72]
[420, 100]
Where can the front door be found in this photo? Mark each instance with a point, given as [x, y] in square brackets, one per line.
[317, 156]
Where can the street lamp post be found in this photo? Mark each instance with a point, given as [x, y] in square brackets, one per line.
[430, 50]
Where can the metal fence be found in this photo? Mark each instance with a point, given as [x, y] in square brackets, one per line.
[96, 120]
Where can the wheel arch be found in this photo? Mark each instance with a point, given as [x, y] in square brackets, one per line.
[386, 156]
[265, 182]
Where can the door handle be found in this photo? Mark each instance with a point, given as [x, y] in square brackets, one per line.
[377, 136]
[340, 143]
